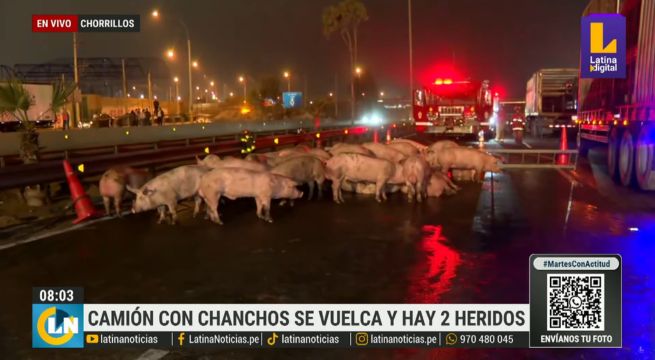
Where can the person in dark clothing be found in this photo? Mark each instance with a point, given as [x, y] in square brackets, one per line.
[147, 116]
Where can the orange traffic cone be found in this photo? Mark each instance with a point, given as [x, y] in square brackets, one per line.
[376, 136]
[563, 145]
[83, 206]
[388, 135]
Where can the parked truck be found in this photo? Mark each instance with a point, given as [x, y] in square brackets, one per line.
[621, 112]
[454, 107]
[550, 100]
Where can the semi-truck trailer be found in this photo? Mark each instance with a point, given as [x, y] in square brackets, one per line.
[550, 100]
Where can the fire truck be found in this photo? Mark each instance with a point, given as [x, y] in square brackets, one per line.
[620, 113]
[454, 107]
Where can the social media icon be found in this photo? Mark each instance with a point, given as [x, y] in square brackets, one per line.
[451, 339]
[181, 339]
[272, 339]
[92, 338]
[361, 339]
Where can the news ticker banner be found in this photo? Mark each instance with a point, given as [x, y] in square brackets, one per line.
[575, 301]
[85, 23]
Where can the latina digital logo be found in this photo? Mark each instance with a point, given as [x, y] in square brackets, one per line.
[57, 326]
[603, 46]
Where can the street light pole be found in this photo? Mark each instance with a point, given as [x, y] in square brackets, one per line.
[77, 81]
[411, 55]
[188, 44]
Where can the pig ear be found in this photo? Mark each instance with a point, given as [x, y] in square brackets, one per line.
[198, 161]
[131, 189]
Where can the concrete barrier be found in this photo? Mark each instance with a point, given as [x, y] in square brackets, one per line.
[57, 140]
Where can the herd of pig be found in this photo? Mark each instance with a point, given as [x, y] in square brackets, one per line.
[373, 168]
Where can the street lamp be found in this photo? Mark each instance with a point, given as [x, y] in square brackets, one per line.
[170, 53]
[211, 83]
[155, 14]
[288, 77]
[176, 80]
[358, 71]
[381, 93]
[243, 81]
[195, 64]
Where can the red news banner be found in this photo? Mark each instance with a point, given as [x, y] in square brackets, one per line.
[85, 23]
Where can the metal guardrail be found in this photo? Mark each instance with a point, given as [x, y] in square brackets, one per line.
[536, 158]
[159, 157]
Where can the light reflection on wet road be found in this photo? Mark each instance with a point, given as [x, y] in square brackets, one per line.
[456, 249]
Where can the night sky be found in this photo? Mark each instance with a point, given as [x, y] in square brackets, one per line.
[501, 40]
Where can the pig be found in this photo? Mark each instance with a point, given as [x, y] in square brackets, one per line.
[263, 158]
[451, 186]
[464, 174]
[465, 158]
[292, 151]
[438, 185]
[112, 185]
[369, 188]
[420, 147]
[305, 169]
[231, 162]
[382, 151]
[406, 149]
[349, 148]
[442, 144]
[237, 183]
[320, 153]
[416, 173]
[361, 168]
[210, 160]
[164, 191]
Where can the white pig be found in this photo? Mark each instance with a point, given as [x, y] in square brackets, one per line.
[420, 147]
[416, 173]
[231, 162]
[361, 168]
[439, 185]
[349, 148]
[164, 191]
[305, 169]
[386, 152]
[406, 149]
[442, 144]
[237, 183]
[465, 158]
[113, 181]
[369, 188]
[210, 160]
[464, 174]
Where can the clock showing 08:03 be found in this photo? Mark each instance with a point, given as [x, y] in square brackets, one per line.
[57, 295]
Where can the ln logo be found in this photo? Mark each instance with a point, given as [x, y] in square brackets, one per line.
[597, 45]
[602, 51]
[57, 326]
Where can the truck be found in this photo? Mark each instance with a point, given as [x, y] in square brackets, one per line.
[452, 107]
[39, 112]
[620, 113]
[550, 100]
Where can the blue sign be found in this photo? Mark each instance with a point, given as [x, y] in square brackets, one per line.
[602, 46]
[291, 100]
[57, 326]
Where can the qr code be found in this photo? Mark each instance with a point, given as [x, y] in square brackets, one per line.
[575, 302]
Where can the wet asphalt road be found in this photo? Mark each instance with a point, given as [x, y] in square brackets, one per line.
[453, 249]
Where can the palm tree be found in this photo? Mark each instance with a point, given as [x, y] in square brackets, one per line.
[16, 100]
[344, 18]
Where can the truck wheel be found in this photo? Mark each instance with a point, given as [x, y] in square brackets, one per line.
[644, 157]
[583, 145]
[626, 159]
[613, 142]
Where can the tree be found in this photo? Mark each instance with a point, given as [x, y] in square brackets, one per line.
[344, 18]
[16, 100]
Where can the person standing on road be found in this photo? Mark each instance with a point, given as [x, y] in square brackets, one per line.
[159, 114]
[147, 116]
[65, 119]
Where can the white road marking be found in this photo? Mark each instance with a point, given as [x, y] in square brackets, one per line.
[57, 232]
[152, 354]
